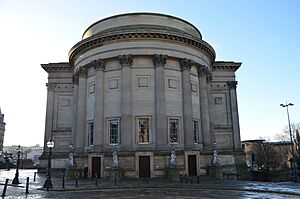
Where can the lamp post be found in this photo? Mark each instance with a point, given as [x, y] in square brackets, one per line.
[293, 166]
[16, 179]
[48, 182]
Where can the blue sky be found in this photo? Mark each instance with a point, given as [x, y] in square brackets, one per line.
[263, 35]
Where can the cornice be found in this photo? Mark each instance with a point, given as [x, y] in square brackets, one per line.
[61, 66]
[97, 41]
[226, 65]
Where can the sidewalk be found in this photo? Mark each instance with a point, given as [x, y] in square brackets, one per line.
[205, 183]
[288, 188]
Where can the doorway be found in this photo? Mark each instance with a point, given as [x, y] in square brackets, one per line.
[192, 165]
[144, 166]
[96, 167]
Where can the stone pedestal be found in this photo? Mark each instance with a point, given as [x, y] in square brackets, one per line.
[173, 174]
[70, 173]
[115, 173]
[216, 172]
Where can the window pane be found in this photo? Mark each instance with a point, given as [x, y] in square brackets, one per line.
[91, 133]
[195, 129]
[143, 130]
[173, 130]
[114, 131]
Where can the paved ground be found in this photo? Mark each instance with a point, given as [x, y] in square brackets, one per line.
[207, 188]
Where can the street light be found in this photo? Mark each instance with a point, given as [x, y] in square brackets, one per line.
[48, 182]
[293, 165]
[16, 179]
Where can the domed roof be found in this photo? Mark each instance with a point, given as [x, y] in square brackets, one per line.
[142, 22]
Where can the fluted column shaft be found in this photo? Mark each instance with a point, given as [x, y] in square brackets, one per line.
[126, 115]
[74, 109]
[159, 62]
[186, 65]
[81, 109]
[204, 106]
[234, 114]
[98, 102]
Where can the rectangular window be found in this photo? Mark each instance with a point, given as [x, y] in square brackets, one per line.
[173, 130]
[196, 131]
[114, 131]
[91, 133]
[144, 130]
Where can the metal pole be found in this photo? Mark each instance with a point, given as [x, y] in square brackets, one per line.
[48, 183]
[27, 185]
[294, 175]
[16, 179]
[4, 189]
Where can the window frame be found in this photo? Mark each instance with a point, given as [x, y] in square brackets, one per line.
[110, 132]
[196, 134]
[178, 129]
[91, 135]
[149, 129]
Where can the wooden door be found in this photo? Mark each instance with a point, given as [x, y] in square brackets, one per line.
[144, 166]
[96, 167]
[192, 165]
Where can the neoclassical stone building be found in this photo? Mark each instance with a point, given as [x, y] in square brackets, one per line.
[141, 84]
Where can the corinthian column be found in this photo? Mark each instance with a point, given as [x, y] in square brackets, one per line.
[186, 65]
[159, 62]
[81, 109]
[126, 117]
[98, 101]
[204, 106]
[49, 113]
[234, 114]
[75, 80]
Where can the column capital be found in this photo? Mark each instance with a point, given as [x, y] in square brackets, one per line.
[232, 84]
[82, 72]
[125, 60]
[202, 70]
[98, 64]
[159, 60]
[75, 79]
[186, 64]
[51, 86]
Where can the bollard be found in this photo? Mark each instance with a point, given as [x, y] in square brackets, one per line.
[27, 185]
[34, 176]
[115, 180]
[198, 179]
[191, 180]
[63, 181]
[4, 189]
[96, 182]
[185, 179]
[76, 182]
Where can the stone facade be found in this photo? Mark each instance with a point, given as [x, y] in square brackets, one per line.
[142, 84]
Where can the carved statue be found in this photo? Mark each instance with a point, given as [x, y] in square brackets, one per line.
[115, 160]
[216, 160]
[173, 159]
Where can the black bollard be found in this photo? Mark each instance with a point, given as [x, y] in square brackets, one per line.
[63, 181]
[76, 182]
[191, 180]
[96, 182]
[4, 189]
[27, 185]
[34, 176]
[198, 179]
